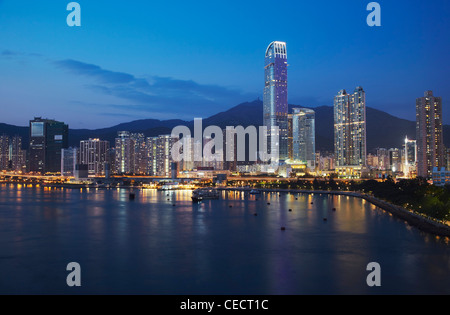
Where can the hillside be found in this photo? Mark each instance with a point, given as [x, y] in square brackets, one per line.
[383, 129]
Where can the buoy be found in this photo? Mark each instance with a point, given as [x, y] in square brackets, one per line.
[255, 214]
[334, 209]
[312, 203]
[296, 198]
[283, 228]
[268, 203]
[174, 205]
[325, 219]
[290, 210]
[231, 206]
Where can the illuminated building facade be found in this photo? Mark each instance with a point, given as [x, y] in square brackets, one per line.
[94, 154]
[275, 100]
[350, 128]
[47, 139]
[430, 143]
[304, 136]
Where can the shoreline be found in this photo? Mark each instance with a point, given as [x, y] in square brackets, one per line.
[414, 219]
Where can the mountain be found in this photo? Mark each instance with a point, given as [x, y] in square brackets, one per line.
[383, 129]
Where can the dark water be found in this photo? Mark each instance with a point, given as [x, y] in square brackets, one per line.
[148, 246]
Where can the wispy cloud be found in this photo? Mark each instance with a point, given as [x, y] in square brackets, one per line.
[156, 93]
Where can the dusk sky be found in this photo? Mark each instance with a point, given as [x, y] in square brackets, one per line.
[183, 59]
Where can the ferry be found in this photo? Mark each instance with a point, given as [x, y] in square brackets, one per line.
[204, 194]
[255, 192]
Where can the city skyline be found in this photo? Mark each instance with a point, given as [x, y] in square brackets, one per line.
[147, 74]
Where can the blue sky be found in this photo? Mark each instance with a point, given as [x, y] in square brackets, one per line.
[184, 59]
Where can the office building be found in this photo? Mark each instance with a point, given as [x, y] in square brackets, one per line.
[47, 139]
[69, 158]
[304, 136]
[275, 100]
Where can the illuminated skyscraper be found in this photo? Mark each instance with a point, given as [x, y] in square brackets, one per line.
[140, 153]
[124, 153]
[47, 139]
[276, 96]
[303, 136]
[164, 155]
[430, 143]
[18, 156]
[409, 157]
[94, 154]
[350, 128]
[4, 152]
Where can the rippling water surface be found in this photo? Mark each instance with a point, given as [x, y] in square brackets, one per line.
[150, 246]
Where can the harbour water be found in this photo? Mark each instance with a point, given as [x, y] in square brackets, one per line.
[163, 243]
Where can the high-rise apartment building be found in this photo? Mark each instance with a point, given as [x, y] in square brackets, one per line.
[17, 155]
[47, 139]
[164, 155]
[124, 153]
[94, 154]
[430, 143]
[275, 100]
[140, 153]
[350, 128]
[4, 153]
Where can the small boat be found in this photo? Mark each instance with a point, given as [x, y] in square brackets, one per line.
[204, 194]
[255, 192]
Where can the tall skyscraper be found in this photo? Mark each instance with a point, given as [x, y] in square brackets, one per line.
[69, 158]
[4, 153]
[350, 128]
[164, 155]
[94, 154]
[140, 153]
[152, 146]
[124, 153]
[275, 100]
[18, 155]
[47, 139]
[304, 136]
[430, 143]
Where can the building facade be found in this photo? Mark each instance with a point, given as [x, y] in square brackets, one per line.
[350, 128]
[124, 153]
[47, 139]
[275, 100]
[304, 136]
[4, 153]
[94, 154]
[430, 143]
[69, 160]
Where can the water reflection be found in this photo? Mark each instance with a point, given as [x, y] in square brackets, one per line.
[148, 245]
